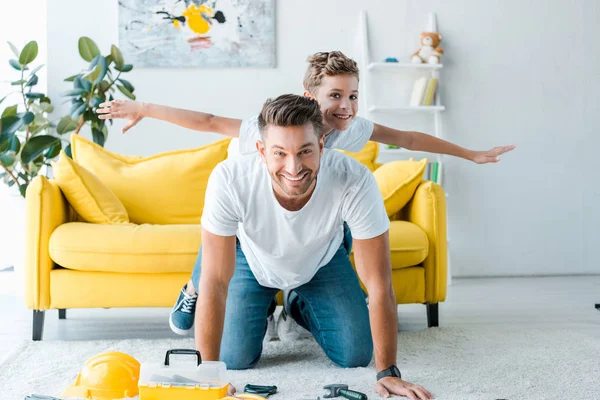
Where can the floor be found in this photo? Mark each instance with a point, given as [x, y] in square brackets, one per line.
[539, 301]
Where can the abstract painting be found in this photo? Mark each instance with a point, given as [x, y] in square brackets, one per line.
[197, 33]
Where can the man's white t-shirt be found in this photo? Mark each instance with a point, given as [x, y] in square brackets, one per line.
[352, 139]
[285, 249]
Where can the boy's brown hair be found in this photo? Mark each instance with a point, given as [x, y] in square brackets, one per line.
[327, 64]
[291, 110]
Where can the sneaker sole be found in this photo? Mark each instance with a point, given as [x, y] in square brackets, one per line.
[178, 331]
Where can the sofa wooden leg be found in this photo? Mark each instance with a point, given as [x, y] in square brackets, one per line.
[62, 313]
[432, 315]
[38, 325]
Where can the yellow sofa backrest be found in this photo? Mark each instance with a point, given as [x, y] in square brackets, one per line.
[166, 188]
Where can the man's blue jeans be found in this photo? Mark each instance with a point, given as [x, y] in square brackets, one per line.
[331, 306]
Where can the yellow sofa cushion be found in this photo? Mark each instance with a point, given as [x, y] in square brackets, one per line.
[90, 198]
[166, 188]
[125, 248]
[367, 156]
[397, 181]
[409, 245]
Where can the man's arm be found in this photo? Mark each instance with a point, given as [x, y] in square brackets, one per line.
[372, 259]
[218, 265]
[423, 142]
[135, 111]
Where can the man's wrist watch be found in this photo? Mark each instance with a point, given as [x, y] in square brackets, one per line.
[391, 371]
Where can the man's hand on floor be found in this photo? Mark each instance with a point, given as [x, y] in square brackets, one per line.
[230, 390]
[392, 385]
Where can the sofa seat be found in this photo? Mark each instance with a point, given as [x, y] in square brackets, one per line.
[144, 248]
[151, 248]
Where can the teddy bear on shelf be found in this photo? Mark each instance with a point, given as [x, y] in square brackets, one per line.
[429, 53]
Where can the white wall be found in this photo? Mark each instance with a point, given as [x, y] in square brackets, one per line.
[515, 72]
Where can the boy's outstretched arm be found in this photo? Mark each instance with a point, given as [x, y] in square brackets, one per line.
[135, 111]
[423, 142]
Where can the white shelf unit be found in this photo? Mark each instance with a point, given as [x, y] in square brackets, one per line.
[371, 71]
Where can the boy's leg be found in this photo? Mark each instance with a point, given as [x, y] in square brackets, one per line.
[181, 319]
[247, 308]
[332, 307]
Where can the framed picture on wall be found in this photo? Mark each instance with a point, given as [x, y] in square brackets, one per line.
[197, 33]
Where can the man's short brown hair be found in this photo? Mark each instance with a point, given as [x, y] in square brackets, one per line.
[330, 63]
[291, 110]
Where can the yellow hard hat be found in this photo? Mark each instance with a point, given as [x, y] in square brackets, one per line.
[106, 376]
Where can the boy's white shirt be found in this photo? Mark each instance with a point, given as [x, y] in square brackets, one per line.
[352, 139]
[285, 249]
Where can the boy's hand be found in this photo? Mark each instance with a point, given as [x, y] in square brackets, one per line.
[392, 385]
[490, 156]
[125, 109]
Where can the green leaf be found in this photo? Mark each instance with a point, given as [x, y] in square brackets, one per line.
[126, 68]
[23, 189]
[33, 81]
[66, 125]
[72, 78]
[68, 150]
[7, 160]
[15, 64]
[27, 117]
[36, 69]
[11, 183]
[127, 84]
[12, 144]
[87, 48]
[53, 151]
[36, 146]
[126, 92]
[14, 49]
[47, 107]
[78, 111]
[116, 56]
[35, 95]
[4, 142]
[97, 70]
[11, 124]
[104, 86]
[74, 92]
[84, 84]
[95, 102]
[29, 53]
[98, 137]
[8, 111]
[18, 83]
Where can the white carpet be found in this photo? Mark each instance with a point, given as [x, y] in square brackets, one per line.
[453, 363]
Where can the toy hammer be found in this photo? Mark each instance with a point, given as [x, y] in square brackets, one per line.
[337, 390]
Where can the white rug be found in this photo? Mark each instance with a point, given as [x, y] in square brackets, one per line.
[453, 363]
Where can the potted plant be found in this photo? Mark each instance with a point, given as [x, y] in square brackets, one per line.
[93, 86]
[27, 138]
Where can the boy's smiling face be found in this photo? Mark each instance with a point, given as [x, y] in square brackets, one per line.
[338, 99]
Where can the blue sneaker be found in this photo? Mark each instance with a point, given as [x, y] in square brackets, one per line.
[181, 319]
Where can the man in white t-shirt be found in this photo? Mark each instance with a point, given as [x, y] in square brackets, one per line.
[274, 220]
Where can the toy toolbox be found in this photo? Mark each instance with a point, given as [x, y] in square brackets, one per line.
[183, 381]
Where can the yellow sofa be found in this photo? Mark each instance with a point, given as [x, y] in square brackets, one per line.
[71, 263]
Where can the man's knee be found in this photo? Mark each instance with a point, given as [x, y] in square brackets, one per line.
[239, 360]
[354, 357]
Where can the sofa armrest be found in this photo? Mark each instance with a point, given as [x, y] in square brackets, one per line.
[427, 209]
[46, 209]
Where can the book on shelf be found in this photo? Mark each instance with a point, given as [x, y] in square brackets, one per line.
[424, 90]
